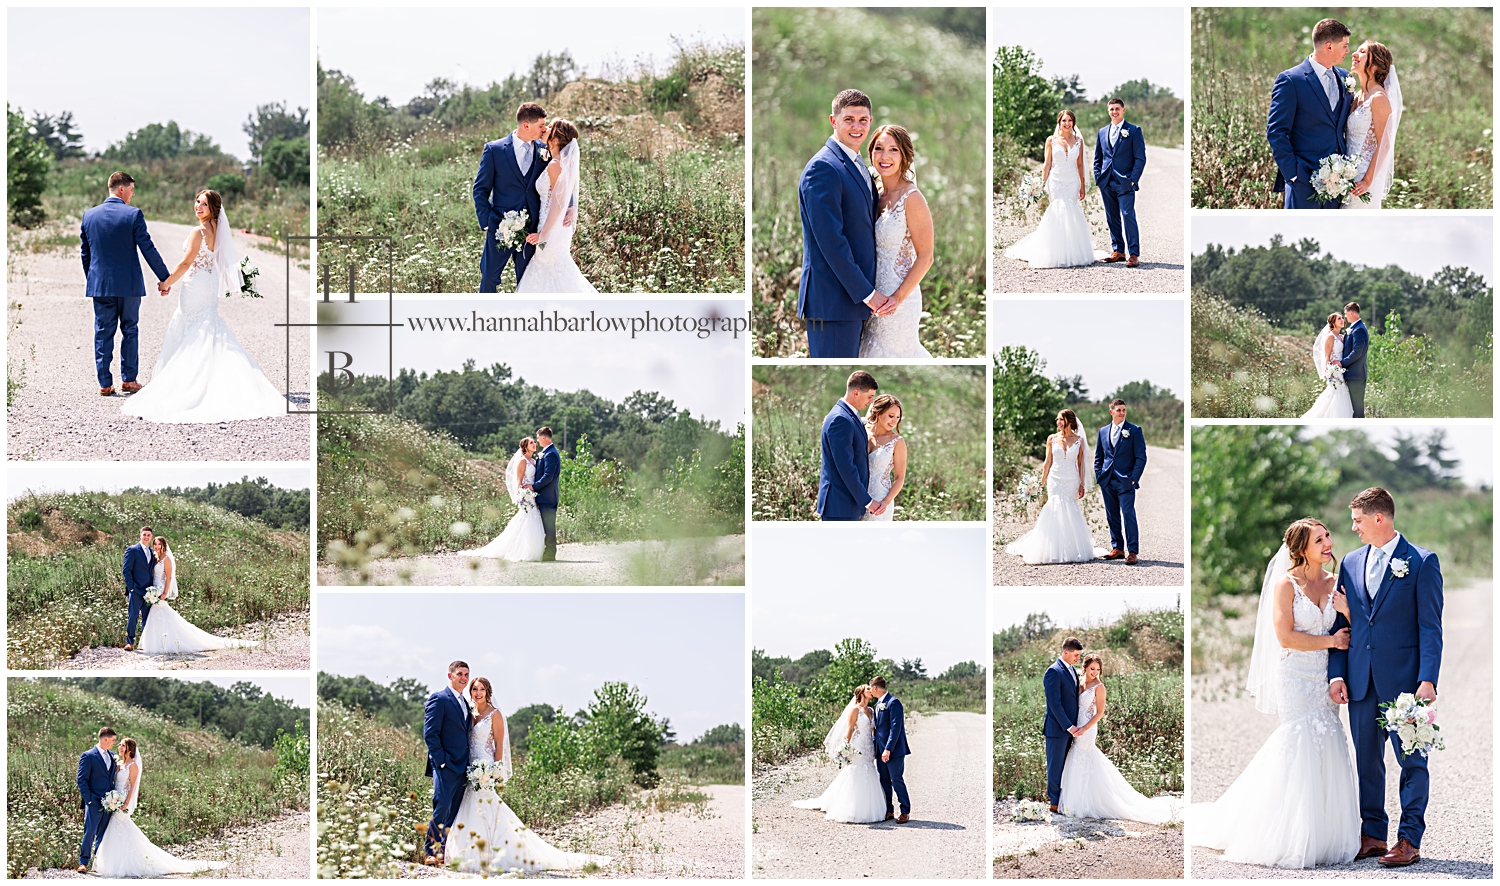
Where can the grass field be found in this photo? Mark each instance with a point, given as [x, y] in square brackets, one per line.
[925, 79]
[200, 783]
[1143, 727]
[943, 425]
[1443, 56]
[65, 587]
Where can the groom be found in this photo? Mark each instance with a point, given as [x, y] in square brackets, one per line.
[506, 182]
[1119, 163]
[1395, 594]
[1060, 686]
[140, 563]
[1356, 348]
[96, 777]
[1119, 461]
[1309, 107]
[836, 197]
[844, 476]
[544, 484]
[890, 744]
[446, 721]
[110, 235]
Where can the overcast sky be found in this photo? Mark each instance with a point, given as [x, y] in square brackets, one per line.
[1070, 609]
[1109, 343]
[686, 651]
[297, 690]
[1472, 445]
[120, 69]
[704, 375]
[912, 593]
[395, 52]
[23, 477]
[1104, 47]
[1419, 245]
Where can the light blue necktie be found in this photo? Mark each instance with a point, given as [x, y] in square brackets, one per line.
[1114, 434]
[1331, 89]
[1376, 573]
[526, 158]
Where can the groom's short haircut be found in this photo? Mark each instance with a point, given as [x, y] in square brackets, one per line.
[878, 682]
[544, 431]
[1072, 644]
[1353, 306]
[530, 112]
[1329, 30]
[106, 732]
[148, 529]
[851, 98]
[1112, 404]
[859, 380]
[1375, 501]
[455, 665]
[119, 180]
[1116, 101]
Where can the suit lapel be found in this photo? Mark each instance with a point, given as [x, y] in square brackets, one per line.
[861, 177]
[1322, 94]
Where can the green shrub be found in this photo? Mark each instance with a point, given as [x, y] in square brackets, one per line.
[28, 164]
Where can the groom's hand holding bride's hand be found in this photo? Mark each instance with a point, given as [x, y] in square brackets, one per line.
[876, 508]
[882, 305]
[1074, 731]
[163, 287]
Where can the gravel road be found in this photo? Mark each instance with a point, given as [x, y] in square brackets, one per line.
[58, 414]
[1459, 841]
[284, 646]
[948, 776]
[1159, 507]
[1159, 211]
[707, 561]
[1084, 848]
[270, 850]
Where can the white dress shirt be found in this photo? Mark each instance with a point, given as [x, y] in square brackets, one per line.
[1114, 132]
[1329, 81]
[1114, 432]
[1387, 550]
[463, 702]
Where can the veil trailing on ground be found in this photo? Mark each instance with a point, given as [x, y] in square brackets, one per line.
[836, 738]
[513, 483]
[564, 193]
[1267, 651]
[227, 256]
[1385, 156]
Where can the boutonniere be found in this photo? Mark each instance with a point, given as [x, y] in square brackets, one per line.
[1399, 568]
[1124, 132]
[545, 154]
[880, 706]
[1351, 83]
[1125, 433]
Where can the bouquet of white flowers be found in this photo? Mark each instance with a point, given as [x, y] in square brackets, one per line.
[114, 801]
[846, 755]
[1029, 489]
[1029, 810]
[1031, 190]
[1335, 179]
[248, 274]
[1414, 722]
[528, 500]
[486, 776]
[1335, 375]
[153, 595]
[510, 233]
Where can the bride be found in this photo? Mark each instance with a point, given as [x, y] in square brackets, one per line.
[166, 632]
[523, 537]
[203, 374]
[486, 835]
[886, 451]
[1295, 805]
[1334, 402]
[1371, 128]
[551, 268]
[903, 247]
[855, 795]
[1064, 238]
[124, 851]
[1061, 534]
[1091, 785]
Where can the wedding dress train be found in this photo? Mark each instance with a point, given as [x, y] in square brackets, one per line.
[855, 796]
[552, 268]
[1093, 788]
[1061, 534]
[1334, 400]
[1064, 238]
[125, 852]
[524, 537]
[165, 632]
[898, 334]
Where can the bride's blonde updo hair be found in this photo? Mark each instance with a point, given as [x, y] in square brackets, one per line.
[562, 130]
[881, 406]
[1298, 536]
[862, 693]
[1378, 61]
[1333, 320]
[904, 147]
[526, 443]
[127, 745]
[1089, 659]
[1072, 419]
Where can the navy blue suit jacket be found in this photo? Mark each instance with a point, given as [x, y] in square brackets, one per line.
[836, 198]
[844, 477]
[544, 481]
[890, 727]
[137, 569]
[499, 186]
[1301, 126]
[1123, 464]
[445, 729]
[1060, 685]
[1397, 642]
[108, 239]
[95, 778]
[1356, 348]
[1120, 167]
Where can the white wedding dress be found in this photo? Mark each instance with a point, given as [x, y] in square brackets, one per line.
[882, 465]
[899, 334]
[1064, 238]
[1360, 137]
[855, 796]
[524, 537]
[1334, 401]
[510, 846]
[166, 632]
[1093, 788]
[552, 268]
[203, 374]
[1061, 534]
[125, 852]
[1295, 805]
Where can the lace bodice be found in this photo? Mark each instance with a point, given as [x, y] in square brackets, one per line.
[1088, 703]
[882, 463]
[1064, 474]
[482, 739]
[1360, 134]
[203, 259]
[864, 736]
[894, 251]
[543, 190]
[122, 781]
[1062, 180]
[1306, 616]
[199, 292]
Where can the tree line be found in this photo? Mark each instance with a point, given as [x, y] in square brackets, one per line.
[243, 712]
[258, 499]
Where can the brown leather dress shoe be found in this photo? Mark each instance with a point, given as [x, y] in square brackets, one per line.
[1114, 554]
[903, 819]
[107, 392]
[1370, 847]
[1117, 255]
[1135, 262]
[129, 648]
[130, 387]
[83, 869]
[1401, 855]
[1053, 808]
[1130, 559]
